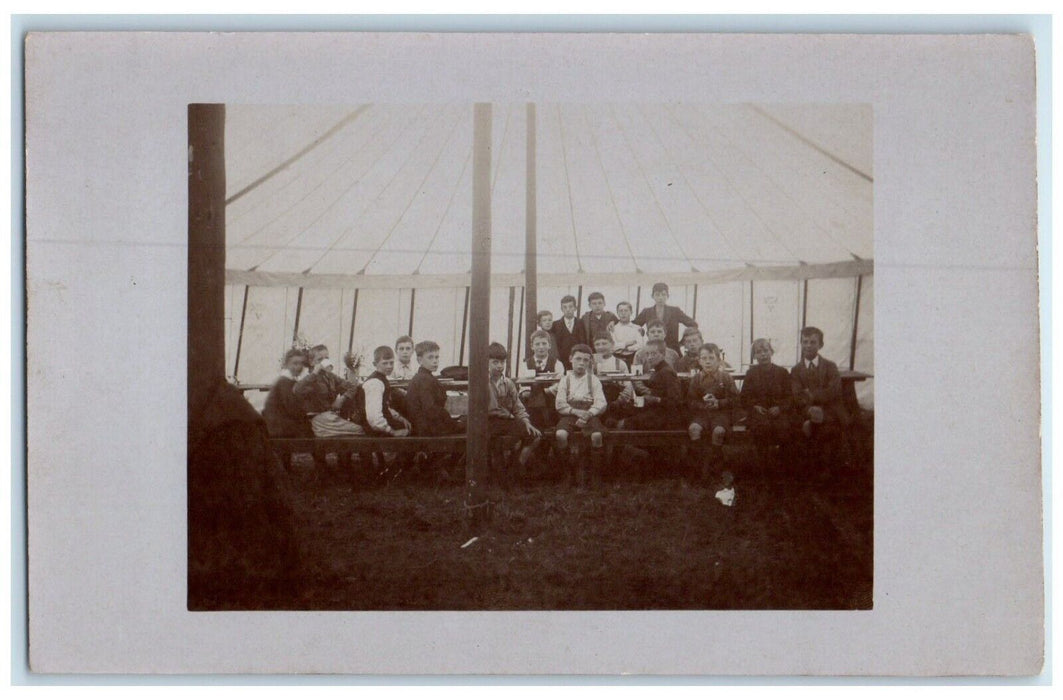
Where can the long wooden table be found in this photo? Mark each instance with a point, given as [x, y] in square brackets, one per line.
[849, 377]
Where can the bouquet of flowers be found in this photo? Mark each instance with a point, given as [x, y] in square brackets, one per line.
[353, 360]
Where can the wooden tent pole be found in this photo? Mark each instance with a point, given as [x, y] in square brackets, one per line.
[520, 329]
[413, 298]
[206, 253]
[638, 301]
[298, 313]
[856, 318]
[509, 332]
[240, 337]
[531, 292]
[354, 315]
[464, 327]
[478, 446]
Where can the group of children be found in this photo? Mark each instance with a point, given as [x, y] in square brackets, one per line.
[573, 355]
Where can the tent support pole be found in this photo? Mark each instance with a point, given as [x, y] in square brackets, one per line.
[206, 255]
[509, 332]
[240, 337]
[804, 303]
[694, 315]
[478, 438]
[856, 318]
[464, 327]
[413, 298]
[751, 331]
[354, 315]
[579, 301]
[520, 329]
[638, 300]
[298, 313]
[530, 291]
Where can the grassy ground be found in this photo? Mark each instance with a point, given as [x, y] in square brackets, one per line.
[789, 542]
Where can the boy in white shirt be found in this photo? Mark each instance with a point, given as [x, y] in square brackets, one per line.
[580, 403]
[627, 337]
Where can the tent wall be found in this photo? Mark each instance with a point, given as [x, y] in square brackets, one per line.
[729, 314]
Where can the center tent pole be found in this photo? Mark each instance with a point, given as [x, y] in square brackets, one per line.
[531, 304]
[478, 446]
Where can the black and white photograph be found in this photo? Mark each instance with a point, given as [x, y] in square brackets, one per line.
[531, 356]
[653, 351]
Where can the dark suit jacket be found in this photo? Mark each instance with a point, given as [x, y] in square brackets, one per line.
[673, 316]
[426, 406]
[768, 386]
[565, 340]
[821, 386]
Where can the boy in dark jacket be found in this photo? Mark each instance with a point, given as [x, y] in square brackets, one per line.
[711, 398]
[426, 399]
[816, 387]
[567, 330]
[659, 406]
[284, 412]
[670, 316]
[767, 398]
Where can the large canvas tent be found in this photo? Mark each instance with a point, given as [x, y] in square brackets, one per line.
[351, 225]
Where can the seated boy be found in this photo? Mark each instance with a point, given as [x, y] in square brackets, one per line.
[597, 320]
[662, 403]
[670, 316]
[691, 359]
[655, 331]
[711, 398]
[606, 362]
[628, 338]
[539, 398]
[324, 395]
[580, 402]
[508, 421]
[767, 398]
[404, 369]
[546, 323]
[374, 399]
[284, 412]
[426, 399]
[816, 387]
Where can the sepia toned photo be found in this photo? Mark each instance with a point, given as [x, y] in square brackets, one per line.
[531, 356]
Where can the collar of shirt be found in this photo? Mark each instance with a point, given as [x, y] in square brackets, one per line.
[814, 362]
[569, 322]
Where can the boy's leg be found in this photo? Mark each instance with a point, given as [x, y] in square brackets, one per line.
[597, 431]
[561, 434]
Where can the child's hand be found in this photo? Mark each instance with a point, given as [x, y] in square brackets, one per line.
[774, 411]
[761, 410]
[532, 430]
[401, 432]
[816, 414]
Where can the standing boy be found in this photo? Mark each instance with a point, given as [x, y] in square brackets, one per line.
[597, 320]
[567, 330]
[426, 399]
[506, 416]
[627, 337]
[374, 399]
[580, 402]
[670, 316]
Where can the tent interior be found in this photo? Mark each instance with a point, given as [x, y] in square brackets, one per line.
[351, 225]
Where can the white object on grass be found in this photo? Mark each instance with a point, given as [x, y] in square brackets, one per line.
[726, 496]
[469, 542]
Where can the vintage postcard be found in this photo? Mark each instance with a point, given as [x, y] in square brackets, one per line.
[678, 354]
